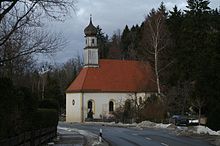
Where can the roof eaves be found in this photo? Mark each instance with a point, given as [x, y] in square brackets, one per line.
[99, 91]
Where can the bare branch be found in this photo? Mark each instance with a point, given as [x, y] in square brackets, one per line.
[2, 15]
[16, 25]
[39, 42]
[166, 66]
[55, 9]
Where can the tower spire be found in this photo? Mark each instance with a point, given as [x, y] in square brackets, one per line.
[90, 30]
[90, 18]
[91, 49]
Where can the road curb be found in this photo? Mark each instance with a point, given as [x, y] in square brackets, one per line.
[108, 143]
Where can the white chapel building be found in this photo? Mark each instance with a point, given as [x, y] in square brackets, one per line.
[104, 84]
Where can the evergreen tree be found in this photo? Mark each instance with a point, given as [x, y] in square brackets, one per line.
[195, 36]
[174, 23]
[134, 47]
[114, 46]
[125, 42]
[102, 43]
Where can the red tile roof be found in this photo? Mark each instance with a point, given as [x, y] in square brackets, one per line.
[115, 76]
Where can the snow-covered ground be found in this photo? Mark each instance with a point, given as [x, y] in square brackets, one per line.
[178, 129]
[92, 139]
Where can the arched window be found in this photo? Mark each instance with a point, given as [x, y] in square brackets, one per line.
[90, 109]
[89, 105]
[111, 106]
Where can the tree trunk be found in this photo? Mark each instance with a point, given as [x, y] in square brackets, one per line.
[156, 71]
[199, 115]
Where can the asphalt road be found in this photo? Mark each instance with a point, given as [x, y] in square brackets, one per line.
[135, 137]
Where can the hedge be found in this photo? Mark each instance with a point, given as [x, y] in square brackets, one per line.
[19, 112]
[45, 118]
[49, 104]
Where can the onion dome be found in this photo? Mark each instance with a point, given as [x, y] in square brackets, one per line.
[90, 30]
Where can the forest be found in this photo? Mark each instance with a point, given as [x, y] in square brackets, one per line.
[183, 49]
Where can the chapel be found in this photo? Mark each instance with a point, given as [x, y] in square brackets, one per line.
[104, 84]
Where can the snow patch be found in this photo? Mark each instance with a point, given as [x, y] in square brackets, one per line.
[62, 128]
[162, 125]
[88, 134]
[178, 129]
[205, 130]
[96, 143]
[91, 137]
[112, 124]
[148, 124]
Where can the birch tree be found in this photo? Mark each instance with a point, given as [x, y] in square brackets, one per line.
[199, 103]
[155, 41]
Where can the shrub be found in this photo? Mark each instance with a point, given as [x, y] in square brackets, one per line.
[19, 113]
[8, 114]
[155, 112]
[154, 109]
[27, 105]
[45, 118]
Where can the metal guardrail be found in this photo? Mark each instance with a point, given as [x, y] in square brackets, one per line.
[31, 138]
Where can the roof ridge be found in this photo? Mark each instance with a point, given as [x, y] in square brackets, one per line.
[118, 60]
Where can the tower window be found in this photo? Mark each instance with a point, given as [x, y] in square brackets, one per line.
[93, 41]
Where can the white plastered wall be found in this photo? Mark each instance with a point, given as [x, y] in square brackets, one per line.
[101, 102]
[73, 112]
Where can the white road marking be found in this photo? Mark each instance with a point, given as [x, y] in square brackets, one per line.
[148, 138]
[135, 134]
[164, 144]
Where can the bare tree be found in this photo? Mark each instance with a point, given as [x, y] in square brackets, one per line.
[69, 71]
[17, 53]
[26, 41]
[199, 103]
[55, 9]
[155, 41]
[19, 14]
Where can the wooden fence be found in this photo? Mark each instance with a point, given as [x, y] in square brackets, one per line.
[31, 138]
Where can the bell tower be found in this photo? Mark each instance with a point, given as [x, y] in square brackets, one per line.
[91, 58]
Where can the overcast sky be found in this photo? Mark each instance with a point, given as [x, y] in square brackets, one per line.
[110, 15]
